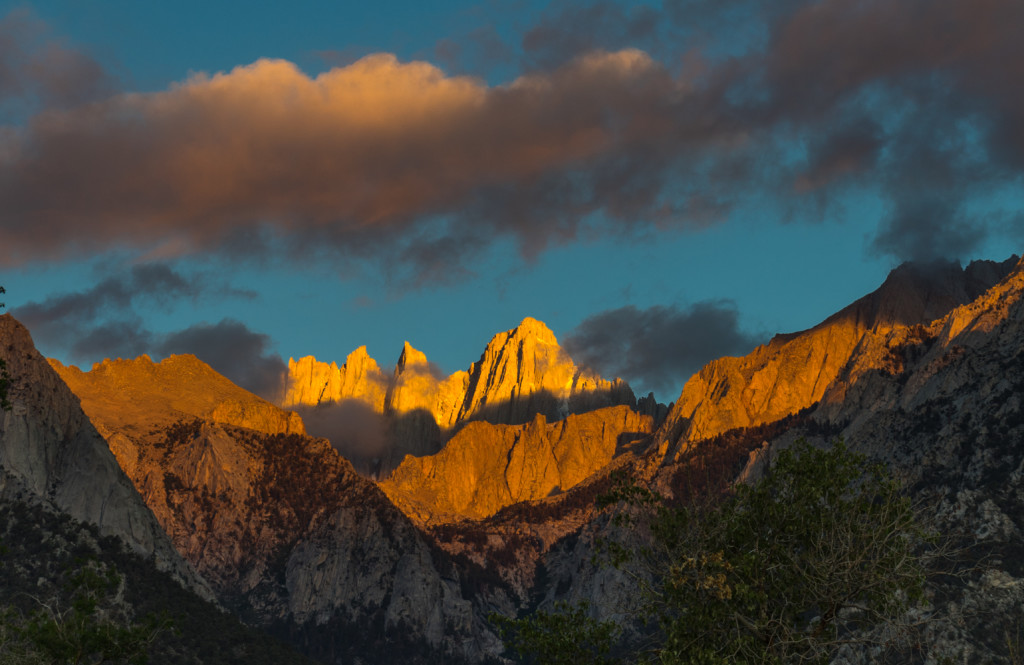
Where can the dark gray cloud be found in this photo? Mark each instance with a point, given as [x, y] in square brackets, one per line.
[660, 347]
[123, 338]
[105, 321]
[101, 321]
[597, 137]
[233, 350]
[39, 70]
[568, 30]
[937, 76]
[355, 430]
[846, 151]
[927, 231]
[932, 172]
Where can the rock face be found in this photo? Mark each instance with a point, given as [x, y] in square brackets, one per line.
[311, 383]
[948, 417]
[133, 396]
[486, 467]
[280, 524]
[524, 371]
[50, 452]
[793, 371]
[417, 388]
[521, 373]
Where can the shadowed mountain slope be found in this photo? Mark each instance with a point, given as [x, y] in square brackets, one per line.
[51, 453]
[287, 533]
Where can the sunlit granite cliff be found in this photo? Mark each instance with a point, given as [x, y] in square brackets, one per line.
[794, 371]
[133, 395]
[522, 372]
[486, 467]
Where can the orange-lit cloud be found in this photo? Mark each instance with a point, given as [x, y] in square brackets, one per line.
[420, 171]
[350, 156]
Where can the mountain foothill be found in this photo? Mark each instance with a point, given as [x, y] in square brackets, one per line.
[383, 517]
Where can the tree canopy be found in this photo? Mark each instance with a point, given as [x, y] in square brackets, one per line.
[823, 552]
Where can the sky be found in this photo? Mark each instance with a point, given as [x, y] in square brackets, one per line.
[661, 183]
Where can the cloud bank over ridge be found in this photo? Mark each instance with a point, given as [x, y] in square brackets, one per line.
[404, 165]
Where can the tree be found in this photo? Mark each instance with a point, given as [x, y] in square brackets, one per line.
[567, 636]
[84, 626]
[822, 552]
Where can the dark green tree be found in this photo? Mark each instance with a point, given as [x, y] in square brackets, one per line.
[824, 551]
[85, 625]
[566, 636]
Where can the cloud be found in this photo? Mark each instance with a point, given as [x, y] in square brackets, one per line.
[350, 161]
[846, 151]
[126, 338]
[929, 177]
[233, 350]
[926, 232]
[658, 348]
[571, 30]
[39, 70]
[403, 167]
[936, 115]
[100, 321]
[104, 321]
[358, 432]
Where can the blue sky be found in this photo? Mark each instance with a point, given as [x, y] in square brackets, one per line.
[660, 183]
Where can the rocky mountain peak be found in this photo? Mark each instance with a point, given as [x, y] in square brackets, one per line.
[794, 371]
[51, 453]
[531, 327]
[311, 382]
[920, 292]
[138, 394]
[410, 357]
[522, 371]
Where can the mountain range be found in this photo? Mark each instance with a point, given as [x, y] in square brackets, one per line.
[381, 518]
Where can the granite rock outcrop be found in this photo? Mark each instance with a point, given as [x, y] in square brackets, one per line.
[793, 371]
[51, 453]
[284, 529]
[486, 467]
[522, 372]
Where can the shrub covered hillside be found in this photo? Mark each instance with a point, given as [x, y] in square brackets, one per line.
[68, 595]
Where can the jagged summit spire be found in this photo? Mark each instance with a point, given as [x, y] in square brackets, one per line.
[531, 327]
[410, 357]
[521, 372]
